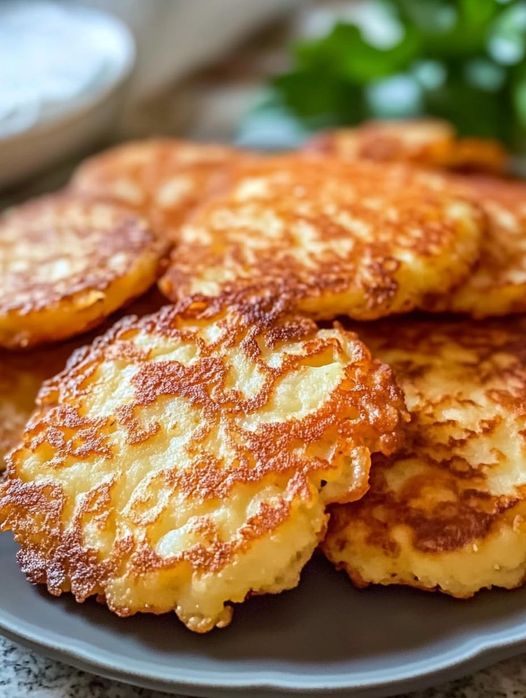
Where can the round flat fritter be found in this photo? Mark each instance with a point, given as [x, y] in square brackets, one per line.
[163, 178]
[20, 381]
[22, 374]
[428, 142]
[68, 262]
[185, 460]
[497, 285]
[365, 240]
[448, 512]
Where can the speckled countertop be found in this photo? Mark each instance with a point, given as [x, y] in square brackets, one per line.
[24, 674]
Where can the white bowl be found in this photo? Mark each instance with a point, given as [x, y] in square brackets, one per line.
[76, 123]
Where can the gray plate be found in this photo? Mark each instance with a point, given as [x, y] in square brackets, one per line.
[323, 637]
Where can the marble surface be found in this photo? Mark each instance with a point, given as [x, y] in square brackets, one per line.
[24, 674]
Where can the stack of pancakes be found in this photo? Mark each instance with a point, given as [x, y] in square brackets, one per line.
[340, 362]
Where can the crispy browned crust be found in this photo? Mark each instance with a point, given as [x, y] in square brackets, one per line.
[163, 178]
[21, 377]
[23, 372]
[361, 239]
[19, 385]
[497, 285]
[363, 413]
[427, 142]
[63, 256]
[465, 386]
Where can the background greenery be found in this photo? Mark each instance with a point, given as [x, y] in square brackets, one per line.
[463, 60]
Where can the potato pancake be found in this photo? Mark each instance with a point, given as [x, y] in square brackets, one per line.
[22, 373]
[448, 512]
[185, 460]
[497, 285]
[427, 142]
[68, 262]
[21, 377]
[363, 240]
[163, 178]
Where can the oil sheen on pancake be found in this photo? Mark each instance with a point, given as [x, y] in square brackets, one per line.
[363, 239]
[163, 178]
[447, 513]
[425, 142]
[68, 262]
[184, 461]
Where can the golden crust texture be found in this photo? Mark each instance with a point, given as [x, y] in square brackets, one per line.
[365, 240]
[497, 285]
[448, 512]
[163, 178]
[68, 262]
[185, 460]
[22, 373]
[427, 142]
[21, 376]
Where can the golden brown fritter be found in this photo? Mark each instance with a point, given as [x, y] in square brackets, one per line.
[20, 381]
[428, 142]
[448, 511]
[22, 373]
[68, 262]
[185, 460]
[21, 376]
[163, 178]
[365, 240]
[497, 285]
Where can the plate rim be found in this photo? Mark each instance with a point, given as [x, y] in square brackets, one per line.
[471, 654]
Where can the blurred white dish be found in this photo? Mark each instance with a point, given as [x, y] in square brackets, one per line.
[62, 72]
